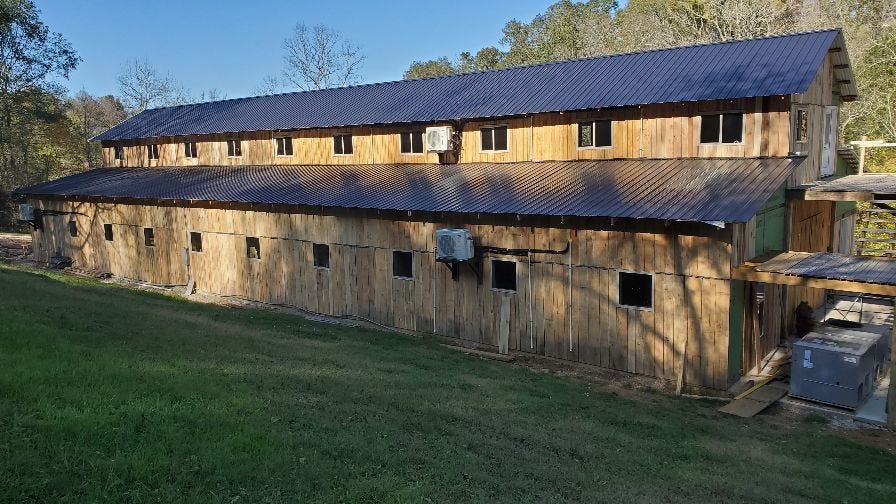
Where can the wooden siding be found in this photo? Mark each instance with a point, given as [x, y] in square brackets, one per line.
[651, 131]
[814, 100]
[691, 280]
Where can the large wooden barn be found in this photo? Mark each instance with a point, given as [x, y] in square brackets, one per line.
[615, 202]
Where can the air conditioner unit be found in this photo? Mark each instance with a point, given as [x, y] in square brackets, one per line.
[26, 212]
[438, 138]
[454, 245]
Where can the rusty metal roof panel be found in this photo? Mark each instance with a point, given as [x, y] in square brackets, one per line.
[770, 66]
[729, 190]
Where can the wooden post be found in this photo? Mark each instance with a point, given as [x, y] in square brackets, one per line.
[504, 327]
[862, 155]
[891, 394]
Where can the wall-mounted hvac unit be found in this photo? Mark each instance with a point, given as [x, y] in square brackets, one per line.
[454, 245]
[26, 212]
[438, 138]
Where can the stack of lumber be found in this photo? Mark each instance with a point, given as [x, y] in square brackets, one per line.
[14, 246]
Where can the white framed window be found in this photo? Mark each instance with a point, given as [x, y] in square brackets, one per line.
[493, 138]
[503, 275]
[411, 142]
[152, 151]
[234, 148]
[634, 290]
[595, 134]
[342, 144]
[403, 264]
[190, 150]
[283, 146]
[724, 128]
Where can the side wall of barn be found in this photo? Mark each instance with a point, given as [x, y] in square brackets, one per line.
[565, 305]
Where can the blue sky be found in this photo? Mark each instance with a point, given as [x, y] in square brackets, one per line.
[232, 45]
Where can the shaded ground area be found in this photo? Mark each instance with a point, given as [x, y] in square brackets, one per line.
[115, 395]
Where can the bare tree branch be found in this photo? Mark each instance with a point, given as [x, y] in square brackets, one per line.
[318, 58]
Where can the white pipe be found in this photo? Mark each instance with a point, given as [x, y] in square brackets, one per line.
[531, 319]
[569, 300]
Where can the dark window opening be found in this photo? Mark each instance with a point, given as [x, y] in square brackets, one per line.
[152, 151]
[195, 241]
[411, 142]
[253, 247]
[190, 150]
[284, 146]
[342, 144]
[801, 129]
[118, 152]
[149, 237]
[107, 232]
[73, 228]
[402, 264]
[635, 290]
[493, 138]
[234, 148]
[722, 128]
[321, 254]
[503, 275]
[596, 133]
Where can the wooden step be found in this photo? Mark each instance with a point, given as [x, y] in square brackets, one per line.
[877, 230]
[879, 221]
[880, 251]
[875, 240]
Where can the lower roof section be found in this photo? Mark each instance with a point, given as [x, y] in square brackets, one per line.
[707, 190]
[866, 187]
[824, 270]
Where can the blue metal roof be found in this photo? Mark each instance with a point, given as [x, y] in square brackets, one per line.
[770, 66]
[729, 190]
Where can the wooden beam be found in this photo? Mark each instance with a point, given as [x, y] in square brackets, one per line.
[891, 394]
[835, 49]
[849, 98]
[844, 81]
[810, 195]
[747, 271]
[841, 66]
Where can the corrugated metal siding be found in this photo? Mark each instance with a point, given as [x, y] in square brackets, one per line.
[769, 66]
[729, 190]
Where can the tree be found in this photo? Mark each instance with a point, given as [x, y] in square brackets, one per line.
[318, 58]
[431, 68]
[270, 84]
[89, 116]
[142, 87]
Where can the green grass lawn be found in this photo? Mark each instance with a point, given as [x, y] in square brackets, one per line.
[114, 395]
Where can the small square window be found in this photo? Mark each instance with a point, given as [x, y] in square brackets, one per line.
[801, 128]
[596, 133]
[234, 148]
[725, 128]
[107, 232]
[253, 247]
[412, 142]
[503, 275]
[342, 145]
[635, 290]
[72, 228]
[190, 150]
[321, 254]
[493, 138]
[152, 151]
[402, 264]
[195, 241]
[284, 146]
[149, 237]
[118, 152]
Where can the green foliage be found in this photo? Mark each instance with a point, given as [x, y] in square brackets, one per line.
[113, 395]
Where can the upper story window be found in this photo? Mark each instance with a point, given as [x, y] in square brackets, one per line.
[190, 150]
[118, 152]
[493, 138]
[284, 146]
[801, 126]
[411, 142]
[727, 128]
[234, 148]
[596, 133]
[152, 151]
[342, 145]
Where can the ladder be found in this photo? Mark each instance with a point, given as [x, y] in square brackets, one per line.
[876, 229]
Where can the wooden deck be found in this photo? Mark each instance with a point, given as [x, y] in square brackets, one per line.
[872, 275]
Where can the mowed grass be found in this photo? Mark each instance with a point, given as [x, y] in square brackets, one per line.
[114, 395]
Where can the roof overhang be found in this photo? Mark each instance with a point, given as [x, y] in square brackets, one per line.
[822, 270]
[843, 74]
[868, 187]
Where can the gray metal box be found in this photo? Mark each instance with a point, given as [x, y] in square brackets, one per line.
[836, 368]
